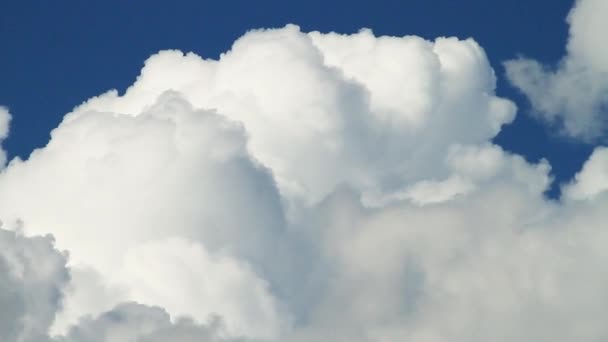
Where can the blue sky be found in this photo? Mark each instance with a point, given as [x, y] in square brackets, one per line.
[58, 54]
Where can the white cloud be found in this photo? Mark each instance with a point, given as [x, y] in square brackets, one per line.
[87, 292]
[5, 119]
[202, 285]
[135, 322]
[575, 94]
[310, 186]
[32, 275]
[500, 263]
[592, 180]
[327, 99]
[108, 183]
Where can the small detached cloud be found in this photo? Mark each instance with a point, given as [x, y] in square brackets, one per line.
[574, 95]
[5, 119]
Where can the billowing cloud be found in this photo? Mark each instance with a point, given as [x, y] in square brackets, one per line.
[311, 187]
[592, 180]
[32, 276]
[574, 95]
[326, 99]
[499, 263]
[108, 185]
[136, 322]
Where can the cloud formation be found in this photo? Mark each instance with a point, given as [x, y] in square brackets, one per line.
[5, 119]
[303, 187]
[109, 185]
[337, 102]
[136, 322]
[574, 95]
[32, 276]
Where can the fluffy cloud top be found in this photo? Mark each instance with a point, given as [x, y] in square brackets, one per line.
[108, 185]
[575, 94]
[326, 99]
[303, 187]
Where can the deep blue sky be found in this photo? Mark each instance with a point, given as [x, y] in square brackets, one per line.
[56, 54]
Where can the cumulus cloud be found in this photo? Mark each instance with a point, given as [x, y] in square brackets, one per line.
[32, 276]
[574, 95]
[592, 180]
[5, 119]
[109, 184]
[340, 100]
[309, 187]
[500, 263]
[135, 322]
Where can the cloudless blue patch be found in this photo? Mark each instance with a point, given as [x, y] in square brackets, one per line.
[56, 54]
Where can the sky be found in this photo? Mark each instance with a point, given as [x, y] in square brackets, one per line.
[90, 48]
[299, 171]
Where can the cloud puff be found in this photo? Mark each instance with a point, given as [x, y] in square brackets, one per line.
[310, 187]
[338, 101]
[202, 285]
[135, 322]
[575, 94]
[592, 180]
[5, 119]
[500, 263]
[194, 147]
[32, 276]
[112, 180]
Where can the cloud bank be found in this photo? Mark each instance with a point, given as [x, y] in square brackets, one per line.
[302, 187]
[574, 95]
